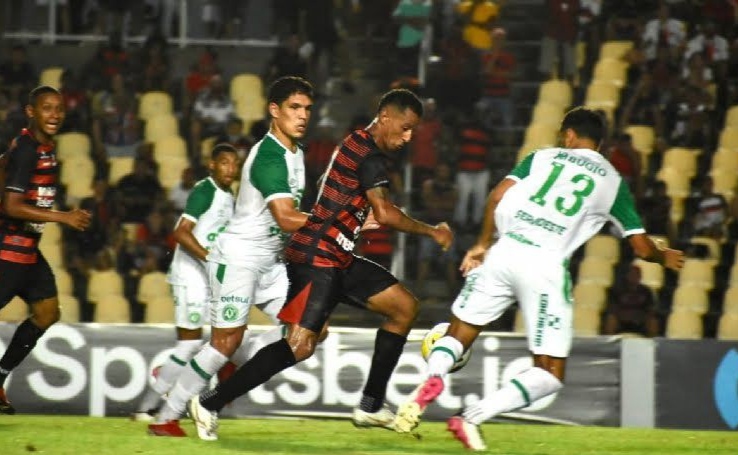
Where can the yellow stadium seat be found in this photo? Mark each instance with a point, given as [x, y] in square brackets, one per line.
[615, 49]
[595, 270]
[541, 135]
[652, 274]
[519, 325]
[713, 247]
[643, 137]
[524, 151]
[603, 246]
[15, 311]
[64, 284]
[556, 91]
[590, 295]
[611, 70]
[686, 325]
[586, 321]
[52, 252]
[730, 300]
[729, 138]
[602, 95]
[697, 273]
[52, 233]
[206, 148]
[724, 161]
[689, 298]
[72, 145]
[69, 308]
[246, 86]
[170, 172]
[112, 309]
[153, 285]
[682, 159]
[731, 117]
[102, 284]
[547, 113]
[159, 310]
[120, 166]
[733, 280]
[677, 183]
[258, 317]
[161, 126]
[51, 76]
[677, 209]
[724, 183]
[169, 147]
[77, 169]
[727, 328]
[154, 103]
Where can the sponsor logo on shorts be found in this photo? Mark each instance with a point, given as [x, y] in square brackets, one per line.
[194, 318]
[234, 299]
[230, 313]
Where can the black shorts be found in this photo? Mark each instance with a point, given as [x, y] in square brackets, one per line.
[31, 282]
[315, 291]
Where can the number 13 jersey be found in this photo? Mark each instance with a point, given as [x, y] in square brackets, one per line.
[562, 198]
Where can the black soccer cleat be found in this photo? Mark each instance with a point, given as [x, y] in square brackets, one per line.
[5, 406]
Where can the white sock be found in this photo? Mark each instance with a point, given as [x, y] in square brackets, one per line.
[192, 381]
[252, 344]
[446, 351]
[522, 390]
[184, 350]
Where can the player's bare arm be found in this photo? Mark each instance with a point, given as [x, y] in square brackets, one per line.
[184, 236]
[287, 216]
[645, 248]
[387, 213]
[15, 206]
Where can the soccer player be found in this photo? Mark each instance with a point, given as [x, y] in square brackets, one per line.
[245, 265]
[30, 171]
[546, 208]
[323, 270]
[209, 206]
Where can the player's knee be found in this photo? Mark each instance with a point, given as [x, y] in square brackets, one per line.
[407, 311]
[323, 334]
[46, 316]
[303, 346]
[226, 341]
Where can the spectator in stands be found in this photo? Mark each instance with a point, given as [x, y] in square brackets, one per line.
[211, 112]
[179, 194]
[104, 208]
[664, 31]
[111, 59]
[498, 65]
[559, 39]
[720, 12]
[320, 30]
[377, 15]
[198, 78]
[458, 85]
[116, 128]
[318, 153]
[425, 143]
[157, 236]
[644, 107]
[154, 65]
[17, 75]
[627, 160]
[139, 192]
[76, 103]
[234, 136]
[623, 22]
[710, 212]
[656, 209]
[713, 47]
[691, 112]
[590, 31]
[632, 308]
[696, 74]
[413, 16]
[477, 18]
[439, 196]
[472, 172]
[289, 59]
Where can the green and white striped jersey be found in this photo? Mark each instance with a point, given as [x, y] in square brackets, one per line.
[209, 207]
[270, 172]
[562, 198]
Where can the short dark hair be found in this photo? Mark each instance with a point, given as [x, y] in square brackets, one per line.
[402, 99]
[586, 123]
[222, 148]
[286, 86]
[41, 90]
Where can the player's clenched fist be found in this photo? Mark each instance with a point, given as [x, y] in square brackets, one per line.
[78, 219]
[443, 235]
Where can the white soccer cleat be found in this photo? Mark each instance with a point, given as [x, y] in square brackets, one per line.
[466, 433]
[384, 418]
[206, 421]
[142, 416]
[408, 414]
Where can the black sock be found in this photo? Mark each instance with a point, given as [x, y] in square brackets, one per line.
[23, 341]
[269, 361]
[387, 351]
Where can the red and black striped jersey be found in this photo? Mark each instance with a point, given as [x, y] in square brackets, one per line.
[329, 236]
[32, 170]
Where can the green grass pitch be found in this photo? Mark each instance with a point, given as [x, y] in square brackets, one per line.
[86, 435]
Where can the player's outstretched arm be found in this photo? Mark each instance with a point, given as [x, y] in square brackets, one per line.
[15, 206]
[287, 216]
[387, 213]
[645, 248]
[184, 236]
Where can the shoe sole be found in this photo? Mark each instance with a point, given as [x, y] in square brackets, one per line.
[409, 413]
[456, 427]
[202, 432]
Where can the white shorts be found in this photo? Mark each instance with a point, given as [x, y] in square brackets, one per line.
[236, 287]
[541, 285]
[191, 302]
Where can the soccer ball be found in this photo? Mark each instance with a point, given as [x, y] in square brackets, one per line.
[433, 335]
